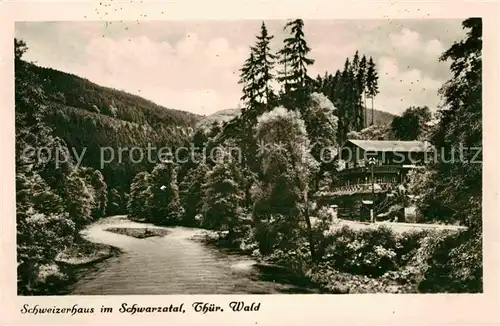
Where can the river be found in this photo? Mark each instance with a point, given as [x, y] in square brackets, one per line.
[173, 264]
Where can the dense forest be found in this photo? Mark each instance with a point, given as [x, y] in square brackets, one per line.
[262, 197]
[89, 118]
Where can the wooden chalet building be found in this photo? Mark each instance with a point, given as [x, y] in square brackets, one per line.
[391, 161]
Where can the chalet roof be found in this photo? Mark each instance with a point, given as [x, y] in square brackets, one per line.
[392, 145]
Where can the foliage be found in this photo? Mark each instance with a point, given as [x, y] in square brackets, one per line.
[138, 196]
[223, 195]
[367, 251]
[294, 60]
[321, 124]
[163, 202]
[101, 118]
[463, 102]
[374, 132]
[371, 82]
[412, 124]
[282, 202]
[192, 193]
[456, 265]
[257, 75]
[334, 281]
[347, 89]
[55, 198]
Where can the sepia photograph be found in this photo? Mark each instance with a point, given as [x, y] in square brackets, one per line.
[251, 156]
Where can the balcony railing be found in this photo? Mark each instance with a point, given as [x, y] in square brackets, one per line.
[358, 189]
[376, 169]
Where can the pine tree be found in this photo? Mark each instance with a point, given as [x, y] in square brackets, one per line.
[361, 76]
[265, 61]
[355, 94]
[293, 57]
[248, 77]
[371, 82]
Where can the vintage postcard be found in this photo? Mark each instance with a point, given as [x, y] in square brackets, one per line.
[236, 163]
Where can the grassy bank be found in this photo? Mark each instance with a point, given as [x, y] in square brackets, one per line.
[70, 266]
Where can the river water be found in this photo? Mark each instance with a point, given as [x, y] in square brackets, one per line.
[173, 264]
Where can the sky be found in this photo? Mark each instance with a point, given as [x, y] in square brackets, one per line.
[194, 65]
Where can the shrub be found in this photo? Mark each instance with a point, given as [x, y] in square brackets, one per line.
[408, 243]
[367, 251]
[277, 232]
[334, 281]
[455, 265]
[39, 238]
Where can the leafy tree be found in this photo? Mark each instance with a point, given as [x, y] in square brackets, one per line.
[374, 132]
[20, 48]
[164, 202]
[223, 195]
[136, 205]
[322, 128]
[192, 193]
[451, 190]
[412, 123]
[457, 184]
[282, 201]
[78, 199]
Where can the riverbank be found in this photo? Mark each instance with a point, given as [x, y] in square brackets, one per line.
[269, 270]
[357, 258]
[70, 266]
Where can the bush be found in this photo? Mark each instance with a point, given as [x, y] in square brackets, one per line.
[367, 251]
[39, 239]
[377, 260]
[334, 281]
[455, 265]
[278, 232]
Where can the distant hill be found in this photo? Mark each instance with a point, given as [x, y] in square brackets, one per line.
[220, 116]
[379, 118]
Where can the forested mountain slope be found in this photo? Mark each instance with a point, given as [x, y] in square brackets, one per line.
[100, 121]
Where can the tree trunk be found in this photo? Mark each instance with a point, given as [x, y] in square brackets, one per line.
[309, 230]
[306, 214]
[372, 111]
[365, 123]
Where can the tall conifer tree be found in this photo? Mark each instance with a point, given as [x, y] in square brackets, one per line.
[248, 77]
[294, 59]
[265, 61]
[371, 82]
[362, 85]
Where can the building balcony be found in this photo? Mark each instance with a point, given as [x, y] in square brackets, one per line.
[360, 188]
[378, 169]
